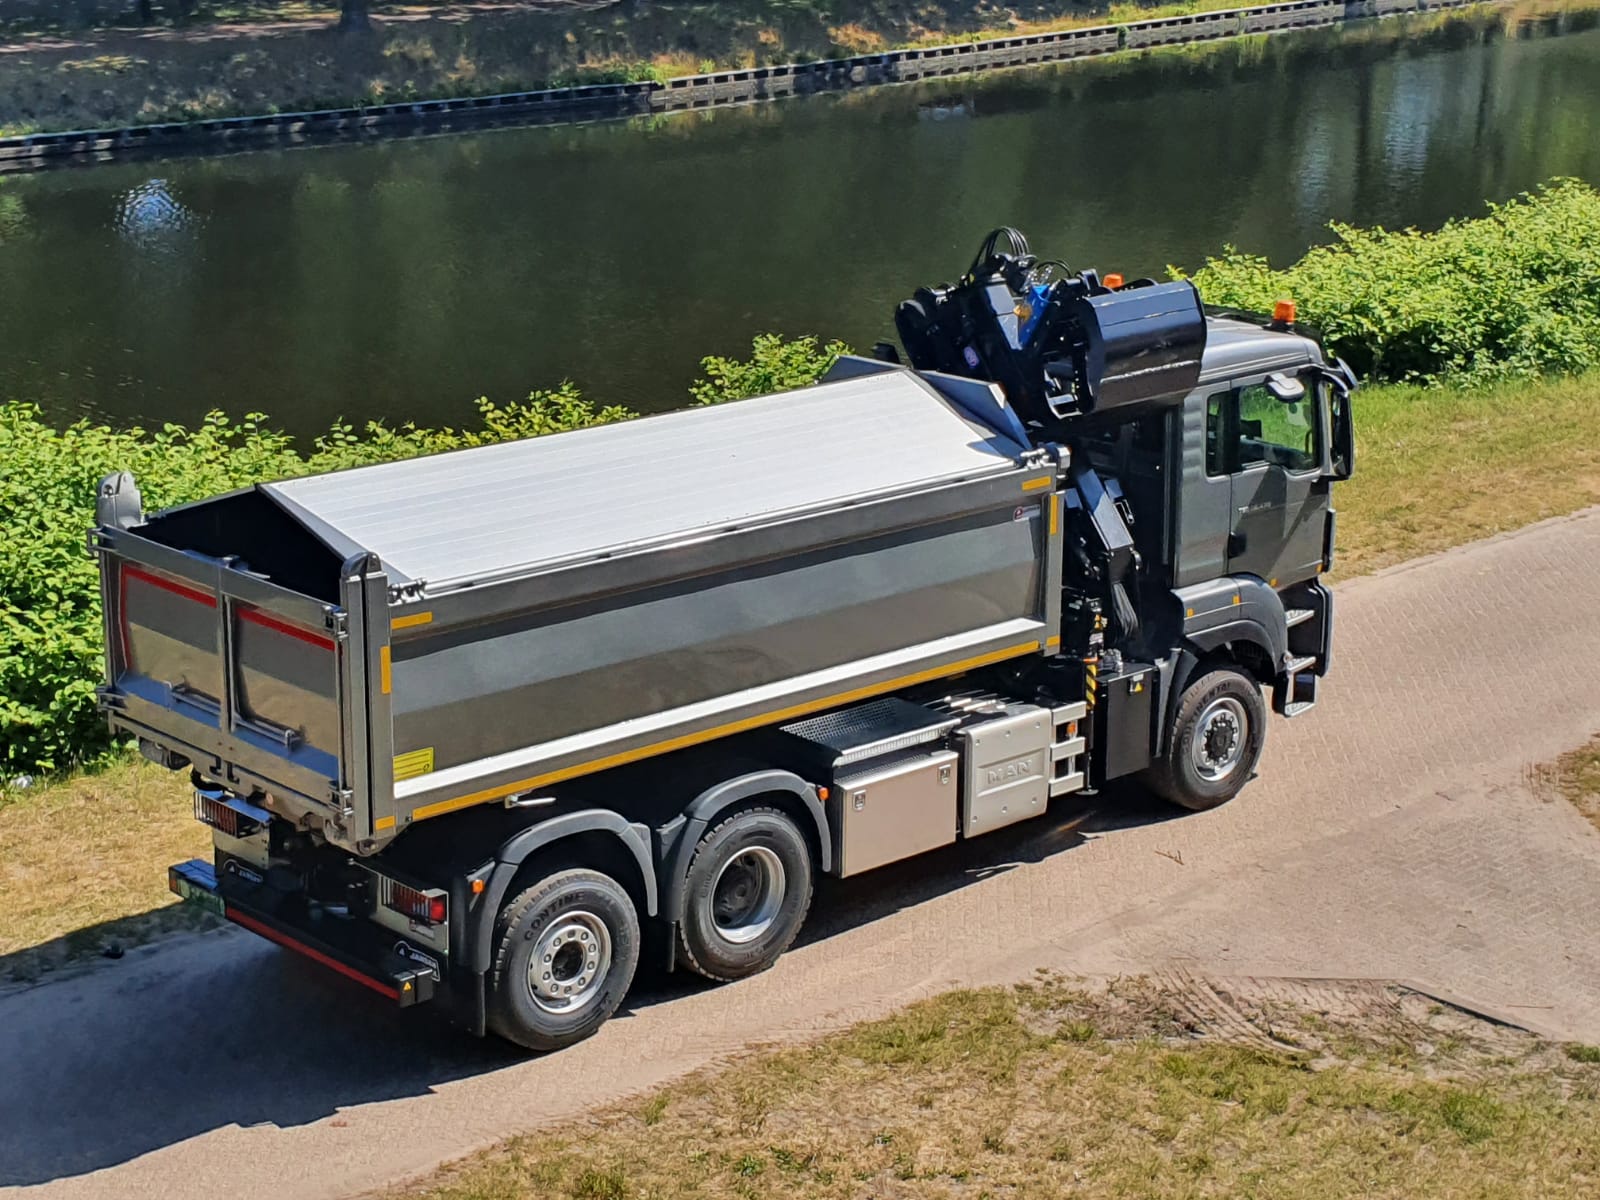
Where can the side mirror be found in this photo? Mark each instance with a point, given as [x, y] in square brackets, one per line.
[1343, 437]
[1286, 388]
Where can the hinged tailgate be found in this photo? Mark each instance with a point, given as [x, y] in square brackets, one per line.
[244, 677]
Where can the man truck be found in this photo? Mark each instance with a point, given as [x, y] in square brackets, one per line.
[467, 728]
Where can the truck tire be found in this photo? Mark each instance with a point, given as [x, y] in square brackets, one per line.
[1216, 740]
[746, 894]
[565, 952]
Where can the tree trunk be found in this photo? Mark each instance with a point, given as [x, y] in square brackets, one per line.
[353, 16]
[146, 14]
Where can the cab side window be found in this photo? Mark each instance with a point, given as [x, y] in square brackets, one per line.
[1217, 425]
[1271, 431]
[1249, 426]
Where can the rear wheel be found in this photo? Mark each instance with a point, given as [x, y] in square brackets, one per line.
[565, 952]
[746, 894]
[1215, 743]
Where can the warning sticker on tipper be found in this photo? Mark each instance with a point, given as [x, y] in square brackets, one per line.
[413, 763]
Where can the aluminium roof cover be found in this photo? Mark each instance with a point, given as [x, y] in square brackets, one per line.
[472, 513]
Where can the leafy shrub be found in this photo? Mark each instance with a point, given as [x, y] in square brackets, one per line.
[774, 365]
[1513, 294]
[50, 635]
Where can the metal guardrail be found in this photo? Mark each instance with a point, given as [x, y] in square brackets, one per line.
[708, 90]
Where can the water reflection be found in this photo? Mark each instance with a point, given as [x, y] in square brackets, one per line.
[13, 215]
[151, 218]
[944, 110]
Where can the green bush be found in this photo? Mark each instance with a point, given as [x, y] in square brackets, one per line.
[50, 635]
[1515, 294]
[775, 365]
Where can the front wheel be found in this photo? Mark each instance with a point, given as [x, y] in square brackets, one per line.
[565, 952]
[1215, 743]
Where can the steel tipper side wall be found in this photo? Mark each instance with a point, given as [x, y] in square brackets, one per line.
[677, 647]
[793, 552]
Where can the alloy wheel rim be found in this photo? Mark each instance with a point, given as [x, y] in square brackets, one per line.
[1219, 739]
[570, 962]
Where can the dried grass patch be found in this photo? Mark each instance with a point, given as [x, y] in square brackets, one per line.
[1057, 1090]
[83, 864]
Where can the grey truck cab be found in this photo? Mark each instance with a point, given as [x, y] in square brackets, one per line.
[475, 728]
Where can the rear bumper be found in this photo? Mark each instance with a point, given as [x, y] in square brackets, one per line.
[356, 949]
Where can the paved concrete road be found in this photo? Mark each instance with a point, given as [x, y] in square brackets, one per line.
[1392, 833]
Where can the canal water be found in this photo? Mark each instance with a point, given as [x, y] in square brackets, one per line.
[402, 279]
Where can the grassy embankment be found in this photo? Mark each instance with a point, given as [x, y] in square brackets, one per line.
[1491, 442]
[292, 60]
[249, 58]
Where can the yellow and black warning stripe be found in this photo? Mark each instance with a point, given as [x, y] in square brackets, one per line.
[1091, 680]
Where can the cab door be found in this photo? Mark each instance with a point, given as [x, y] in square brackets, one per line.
[1275, 451]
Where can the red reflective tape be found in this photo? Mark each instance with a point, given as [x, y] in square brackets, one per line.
[285, 940]
[171, 585]
[294, 631]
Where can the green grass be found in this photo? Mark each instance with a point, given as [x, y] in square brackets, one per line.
[994, 1093]
[1436, 467]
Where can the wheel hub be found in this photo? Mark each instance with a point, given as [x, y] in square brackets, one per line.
[1219, 739]
[747, 894]
[569, 963]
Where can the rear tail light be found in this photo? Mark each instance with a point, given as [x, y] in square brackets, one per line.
[427, 906]
[228, 814]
